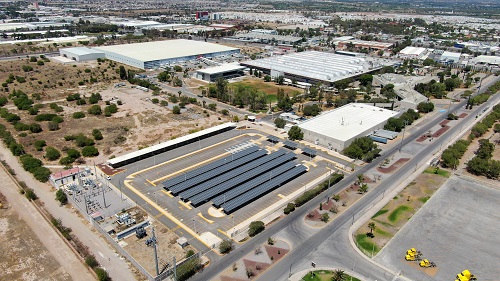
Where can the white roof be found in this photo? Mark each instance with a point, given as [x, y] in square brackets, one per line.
[81, 51]
[221, 69]
[162, 145]
[416, 51]
[316, 65]
[348, 121]
[487, 59]
[161, 50]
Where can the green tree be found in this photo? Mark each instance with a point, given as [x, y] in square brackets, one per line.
[325, 217]
[255, 228]
[221, 85]
[78, 115]
[226, 246]
[35, 128]
[280, 123]
[41, 174]
[102, 275]
[295, 133]
[425, 107]
[267, 78]
[371, 226]
[91, 261]
[366, 79]
[176, 110]
[311, 110]
[52, 153]
[363, 188]
[339, 275]
[61, 197]
[123, 73]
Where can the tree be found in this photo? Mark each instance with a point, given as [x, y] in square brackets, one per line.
[311, 110]
[123, 73]
[52, 153]
[366, 79]
[226, 246]
[41, 174]
[176, 110]
[280, 80]
[255, 228]
[35, 128]
[363, 188]
[91, 261]
[53, 126]
[221, 85]
[102, 275]
[78, 115]
[295, 133]
[425, 107]
[361, 178]
[338, 275]
[280, 123]
[267, 78]
[61, 197]
[371, 226]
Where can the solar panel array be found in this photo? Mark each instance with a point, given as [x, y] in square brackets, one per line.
[309, 151]
[221, 199]
[203, 169]
[215, 172]
[234, 173]
[264, 188]
[259, 169]
[290, 144]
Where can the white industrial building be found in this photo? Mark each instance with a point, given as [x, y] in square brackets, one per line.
[450, 57]
[81, 54]
[338, 128]
[314, 67]
[412, 53]
[488, 60]
[150, 55]
[226, 71]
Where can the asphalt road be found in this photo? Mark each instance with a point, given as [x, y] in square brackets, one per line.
[339, 228]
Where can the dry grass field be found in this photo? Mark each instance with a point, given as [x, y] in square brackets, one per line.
[138, 123]
[22, 255]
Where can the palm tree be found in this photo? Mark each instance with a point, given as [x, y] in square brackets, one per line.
[372, 227]
[338, 275]
[361, 178]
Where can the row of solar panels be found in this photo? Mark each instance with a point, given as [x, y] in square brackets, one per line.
[259, 168]
[176, 189]
[262, 189]
[233, 174]
[292, 145]
[223, 198]
[203, 169]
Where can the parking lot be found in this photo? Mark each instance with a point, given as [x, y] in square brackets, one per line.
[457, 235]
[206, 218]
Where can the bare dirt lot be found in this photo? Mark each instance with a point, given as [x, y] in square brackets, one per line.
[22, 255]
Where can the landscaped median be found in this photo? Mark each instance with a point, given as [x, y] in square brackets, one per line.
[378, 231]
[328, 275]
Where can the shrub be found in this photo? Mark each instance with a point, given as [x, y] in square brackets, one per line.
[53, 126]
[45, 117]
[90, 151]
[52, 153]
[39, 144]
[176, 110]
[290, 207]
[78, 115]
[82, 140]
[35, 128]
[81, 102]
[102, 275]
[27, 68]
[308, 195]
[95, 98]
[62, 198]
[95, 110]
[30, 194]
[97, 134]
[91, 261]
[66, 161]
[73, 153]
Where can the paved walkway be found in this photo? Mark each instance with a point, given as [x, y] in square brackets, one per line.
[105, 254]
[43, 230]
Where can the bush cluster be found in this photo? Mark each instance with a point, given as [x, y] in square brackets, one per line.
[310, 194]
[451, 156]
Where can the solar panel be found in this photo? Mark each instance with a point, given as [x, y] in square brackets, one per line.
[235, 173]
[215, 172]
[220, 188]
[272, 138]
[253, 194]
[309, 151]
[210, 166]
[290, 144]
[221, 199]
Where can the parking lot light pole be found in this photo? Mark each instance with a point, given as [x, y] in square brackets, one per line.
[103, 196]
[194, 223]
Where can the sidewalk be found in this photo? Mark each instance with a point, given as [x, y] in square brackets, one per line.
[117, 268]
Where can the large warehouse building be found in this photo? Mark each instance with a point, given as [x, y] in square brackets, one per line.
[155, 54]
[313, 67]
[81, 54]
[338, 128]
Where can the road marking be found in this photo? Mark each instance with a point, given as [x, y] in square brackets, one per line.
[159, 215]
[207, 220]
[152, 183]
[223, 232]
[176, 228]
[281, 196]
[168, 193]
[186, 205]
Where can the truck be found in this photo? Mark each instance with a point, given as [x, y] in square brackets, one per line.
[465, 276]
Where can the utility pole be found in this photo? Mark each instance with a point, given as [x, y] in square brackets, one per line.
[175, 270]
[154, 247]
[103, 196]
